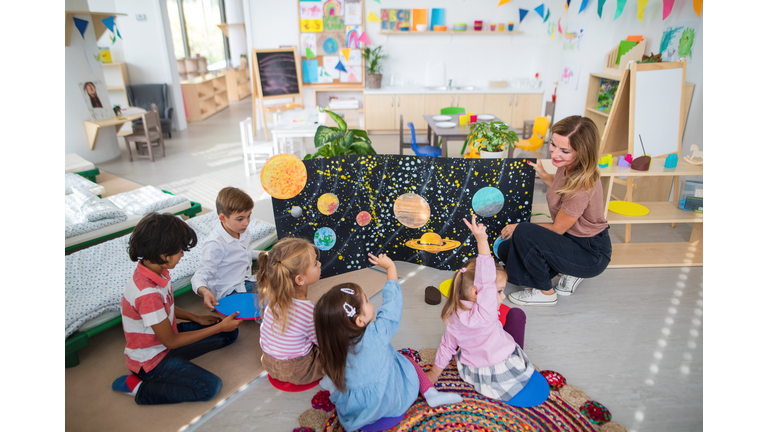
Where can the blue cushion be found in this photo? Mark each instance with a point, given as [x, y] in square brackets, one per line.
[534, 393]
[383, 423]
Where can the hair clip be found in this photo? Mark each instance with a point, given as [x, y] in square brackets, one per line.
[349, 309]
[348, 291]
[463, 270]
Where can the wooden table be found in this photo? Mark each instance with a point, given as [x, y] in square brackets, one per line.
[456, 133]
[92, 127]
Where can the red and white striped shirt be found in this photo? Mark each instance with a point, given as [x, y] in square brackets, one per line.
[148, 300]
[299, 334]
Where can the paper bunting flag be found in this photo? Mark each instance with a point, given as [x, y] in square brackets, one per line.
[523, 13]
[583, 5]
[110, 23]
[567, 3]
[364, 39]
[668, 5]
[377, 1]
[372, 17]
[345, 51]
[619, 8]
[551, 30]
[697, 6]
[539, 10]
[641, 4]
[310, 54]
[81, 26]
[600, 4]
[560, 29]
[546, 17]
[501, 2]
[341, 67]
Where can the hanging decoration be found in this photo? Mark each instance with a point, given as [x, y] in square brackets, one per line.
[567, 3]
[546, 17]
[502, 2]
[551, 30]
[619, 8]
[364, 39]
[539, 10]
[559, 29]
[81, 26]
[668, 5]
[697, 7]
[600, 4]
[523, 13]
[583, 5]
[641, 4]
[114, 32]
[372, 17]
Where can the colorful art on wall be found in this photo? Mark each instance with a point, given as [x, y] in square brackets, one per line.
[353, 36]
[310, 10]
[572, 37]
[308, 42]
[333, 7]
[353, 12]
[408, 207]
[393, 19]
[569, 77]
[311, 25]
[678, 41]
[96, 99]
[330, 43]
[333, 23]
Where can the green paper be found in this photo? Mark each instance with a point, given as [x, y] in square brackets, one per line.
[310, 54]
[624, 46]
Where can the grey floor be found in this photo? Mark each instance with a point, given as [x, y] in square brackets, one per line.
[631, 339]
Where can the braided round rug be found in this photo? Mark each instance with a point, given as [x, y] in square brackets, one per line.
[478, 413]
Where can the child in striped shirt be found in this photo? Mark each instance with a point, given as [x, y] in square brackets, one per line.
[288, 337]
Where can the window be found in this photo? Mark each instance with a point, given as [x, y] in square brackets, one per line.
[195, 32]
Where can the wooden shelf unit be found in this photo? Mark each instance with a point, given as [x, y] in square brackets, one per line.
[116, 78]
[238, 84]
[205, 96]
[654, 254]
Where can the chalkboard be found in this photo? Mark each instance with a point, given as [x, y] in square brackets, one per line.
[277, 73]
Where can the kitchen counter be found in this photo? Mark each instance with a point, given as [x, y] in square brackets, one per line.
[403, 90]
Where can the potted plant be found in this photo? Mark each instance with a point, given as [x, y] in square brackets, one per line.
[373, 59]
[338, 141]
[491, 139]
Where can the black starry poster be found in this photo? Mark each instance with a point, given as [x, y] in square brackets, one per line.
[409, 207]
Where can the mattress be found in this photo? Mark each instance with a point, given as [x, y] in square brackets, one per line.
[85, 212]
[145, 200]
[72, 180]
[95, 277]
[74, 163]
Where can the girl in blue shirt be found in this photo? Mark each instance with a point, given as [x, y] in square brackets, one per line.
[367, 378]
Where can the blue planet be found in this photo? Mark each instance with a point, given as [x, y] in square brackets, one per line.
[488, 201]
[325, 238]
[331, 45]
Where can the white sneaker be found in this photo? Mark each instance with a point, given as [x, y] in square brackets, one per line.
[567, 285]
[532, 297]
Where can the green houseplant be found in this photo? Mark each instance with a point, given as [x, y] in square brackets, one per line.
[374, 59]
[493, 137]
[338, 141]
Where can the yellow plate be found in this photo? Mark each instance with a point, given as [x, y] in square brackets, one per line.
[628, 208]
[445, 287]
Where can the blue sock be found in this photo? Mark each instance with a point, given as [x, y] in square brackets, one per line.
[128, 384]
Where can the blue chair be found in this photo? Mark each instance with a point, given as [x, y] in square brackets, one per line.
[420, 150]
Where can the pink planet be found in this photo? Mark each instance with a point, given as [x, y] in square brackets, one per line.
[363, 218]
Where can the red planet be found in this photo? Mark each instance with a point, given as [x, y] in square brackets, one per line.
[363, 218]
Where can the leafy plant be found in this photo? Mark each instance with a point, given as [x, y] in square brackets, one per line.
[374, 58]
[338, 141]
[492, 137]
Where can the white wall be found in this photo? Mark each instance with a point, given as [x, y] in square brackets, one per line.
[237, 42]
[76, 70]
[146, 47]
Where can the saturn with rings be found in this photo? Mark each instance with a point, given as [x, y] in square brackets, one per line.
[432, 242]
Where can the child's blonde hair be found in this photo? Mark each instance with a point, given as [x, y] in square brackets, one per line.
[289, 258]
[462, 283]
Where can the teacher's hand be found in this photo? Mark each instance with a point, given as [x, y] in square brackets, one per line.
[538, 167]
[507, 231]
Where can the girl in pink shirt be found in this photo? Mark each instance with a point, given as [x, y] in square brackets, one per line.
[487, 356]
[287, 335]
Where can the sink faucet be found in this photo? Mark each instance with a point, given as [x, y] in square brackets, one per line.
[450, 81]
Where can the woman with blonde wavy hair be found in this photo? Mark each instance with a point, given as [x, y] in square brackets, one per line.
[576, 244]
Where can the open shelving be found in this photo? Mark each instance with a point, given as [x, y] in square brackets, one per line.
[204, 96]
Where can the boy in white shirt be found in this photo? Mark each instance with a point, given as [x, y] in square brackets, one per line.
[226, 260]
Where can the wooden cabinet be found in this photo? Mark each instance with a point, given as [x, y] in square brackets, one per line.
[525, 107]
[380, 112]
[433, 103]
[411, 107]
[470, 102]
[204, 96]
[238, 84]
[499, 105]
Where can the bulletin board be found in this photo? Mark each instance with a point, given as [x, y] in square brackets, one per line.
[329, 47]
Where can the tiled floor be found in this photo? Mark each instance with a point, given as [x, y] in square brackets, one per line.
[630, 338]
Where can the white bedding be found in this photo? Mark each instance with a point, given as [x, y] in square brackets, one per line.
[72, 180]
[145, 200]
[74, 163]
[85, 212]
[95, 277]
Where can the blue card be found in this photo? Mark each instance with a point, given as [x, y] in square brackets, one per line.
[245, 303]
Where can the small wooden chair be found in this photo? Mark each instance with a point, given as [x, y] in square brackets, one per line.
[151, 133]
[253, 151]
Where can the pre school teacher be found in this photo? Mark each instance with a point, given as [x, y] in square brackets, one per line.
[577, 243]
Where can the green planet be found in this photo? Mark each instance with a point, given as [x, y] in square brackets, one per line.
[488, 201]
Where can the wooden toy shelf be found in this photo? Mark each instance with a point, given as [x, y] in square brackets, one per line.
[658, 254]
[204, 96]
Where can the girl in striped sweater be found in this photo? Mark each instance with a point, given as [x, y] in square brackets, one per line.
[288, 337]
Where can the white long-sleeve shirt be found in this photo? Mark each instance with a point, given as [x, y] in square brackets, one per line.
[225, 263]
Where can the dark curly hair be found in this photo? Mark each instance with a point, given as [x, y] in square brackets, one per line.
[160, 234]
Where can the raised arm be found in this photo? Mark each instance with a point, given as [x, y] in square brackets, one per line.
[391, 312]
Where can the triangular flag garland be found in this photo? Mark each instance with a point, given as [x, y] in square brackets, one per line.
[364, 39]
[551, 30]
[377, 1]
[560, 29]
[539, 10]
[81, 26]
[668, 5]
[341, 67]
[523, 13]
[583, 5]
[567, 3]
[546, 17]
[641, 4]
[310, 54]
[345, 51]
[619, 8]
[110, 23]
[501, 2]
[697, 7]
[600, 4]
[372, 17]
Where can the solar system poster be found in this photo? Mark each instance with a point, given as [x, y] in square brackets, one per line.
[409, 207]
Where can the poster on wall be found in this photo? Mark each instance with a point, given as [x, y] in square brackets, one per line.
[333, 7]
[96, 99]
[308, 42]
[573, 36]
[409, 207]
[310, 10]
[353, 12]
[330, 43]
[93, 55]
[569, 73]
[678, 41]
[353, 36]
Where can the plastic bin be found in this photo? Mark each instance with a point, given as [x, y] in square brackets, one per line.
[689, 189]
